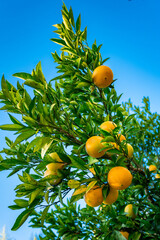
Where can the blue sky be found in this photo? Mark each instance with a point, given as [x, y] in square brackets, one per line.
[129, 31]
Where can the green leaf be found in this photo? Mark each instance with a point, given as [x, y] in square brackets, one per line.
[46, 145]
[66, 22]
[34, 84]
[83, 84]
[136, 236]
[91, 185]
[24, 136]
[44, 213]
[71, 17]
[14, 120]
[21, 219]
[11, 127]
[58, 41]
[34, 194]
[78, 23]
[5, 88]
[79, 163]
[115, 151]
[36, 141]
[105, 191]
[92, 160]
[75, 198]
[24, 76]
[21, 202]
[129, 118]
[15, 207]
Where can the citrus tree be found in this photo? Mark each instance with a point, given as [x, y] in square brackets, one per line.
[76, 141]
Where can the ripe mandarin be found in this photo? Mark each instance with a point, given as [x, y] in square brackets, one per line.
[121, 137]
[94, 196]
[152, 168]
[111, 197]
[102, 76]
[119, 178]
[94, 145]
[108, 126]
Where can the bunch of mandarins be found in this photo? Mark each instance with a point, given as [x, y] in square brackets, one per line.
[153, 168]
[119, 178]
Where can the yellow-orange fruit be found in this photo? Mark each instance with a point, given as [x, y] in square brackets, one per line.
[157, 176]
[119, 178]
[129, 211]
[94, 145]
[108, 126]
[130, 150]
[111, 197]
[121, 137]
[125, 234]
[53, 181]
[152, 168]
[94, 196]
[102, 76]
[58, 164]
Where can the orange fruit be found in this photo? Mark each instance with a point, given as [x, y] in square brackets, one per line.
[94, 196]
[125, 234]
[102, 76]
[130, 150]
[94, 145]
[121, 137]
[108, 126]
[111, 197]
[58, 164]
[129, 211]
[53, 181]
[152, 168]
[119, 178]
[157, 176]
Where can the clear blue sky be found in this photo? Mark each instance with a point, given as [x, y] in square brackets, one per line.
[129, 31]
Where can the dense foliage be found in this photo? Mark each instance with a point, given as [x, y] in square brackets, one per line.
[60, 117]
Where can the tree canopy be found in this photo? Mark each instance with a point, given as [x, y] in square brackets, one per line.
[58, 119]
